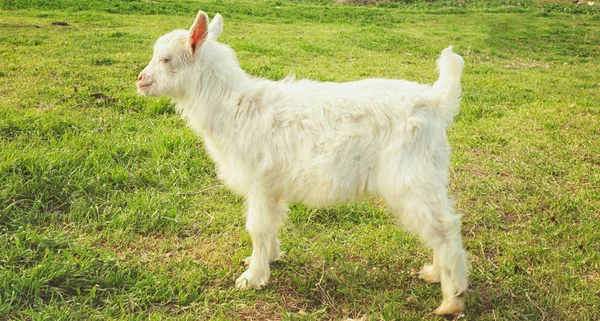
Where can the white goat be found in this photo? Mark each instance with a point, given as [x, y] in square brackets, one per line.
[320, 144]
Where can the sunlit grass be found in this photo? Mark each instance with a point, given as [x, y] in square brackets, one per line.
[110, 208]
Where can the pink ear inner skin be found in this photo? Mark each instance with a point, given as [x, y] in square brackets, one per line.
[198, 32]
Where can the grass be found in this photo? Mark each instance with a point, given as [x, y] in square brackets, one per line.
[110, 208]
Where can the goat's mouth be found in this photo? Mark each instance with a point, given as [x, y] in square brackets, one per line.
[143, 86]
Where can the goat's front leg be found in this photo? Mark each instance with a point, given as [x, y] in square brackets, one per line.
[263, 221]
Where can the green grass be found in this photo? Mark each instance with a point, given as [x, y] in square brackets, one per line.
[106, 206]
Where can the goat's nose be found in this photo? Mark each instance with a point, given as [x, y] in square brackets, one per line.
[141, 76]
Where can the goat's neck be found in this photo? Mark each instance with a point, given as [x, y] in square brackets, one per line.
[208, 106]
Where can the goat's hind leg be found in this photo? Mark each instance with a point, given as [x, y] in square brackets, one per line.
[434, 222]
[263, 220]
[451, 260]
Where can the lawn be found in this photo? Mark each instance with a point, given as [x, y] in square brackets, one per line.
[110, 208]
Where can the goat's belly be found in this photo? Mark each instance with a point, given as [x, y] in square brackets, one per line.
[323, 196]
[342, 175]
[324, 190]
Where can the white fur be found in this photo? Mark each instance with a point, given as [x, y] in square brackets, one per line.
[320, 144]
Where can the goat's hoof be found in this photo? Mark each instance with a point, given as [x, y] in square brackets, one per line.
[429, 274]
[248, 281]
[453, 308]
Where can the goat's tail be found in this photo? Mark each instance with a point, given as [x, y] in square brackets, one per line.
[447, 87]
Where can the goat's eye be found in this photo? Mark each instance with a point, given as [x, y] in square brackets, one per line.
[165, 60]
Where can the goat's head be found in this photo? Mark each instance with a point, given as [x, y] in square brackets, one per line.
[169, 72]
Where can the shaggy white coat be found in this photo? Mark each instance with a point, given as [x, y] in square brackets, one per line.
[320, 144]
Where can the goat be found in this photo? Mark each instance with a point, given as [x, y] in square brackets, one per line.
[320, 144]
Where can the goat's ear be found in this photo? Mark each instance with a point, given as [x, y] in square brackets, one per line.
[216, 27]
[198, 32]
